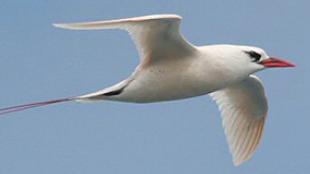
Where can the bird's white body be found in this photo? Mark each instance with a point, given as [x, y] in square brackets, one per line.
[182, 77]
[171, 68]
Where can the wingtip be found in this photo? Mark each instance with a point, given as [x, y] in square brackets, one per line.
[69, 26]
[60, 25]
[238, 162]
[112, 24]
[57, 25]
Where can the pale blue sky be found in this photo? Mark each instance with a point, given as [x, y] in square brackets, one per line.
[39, 62]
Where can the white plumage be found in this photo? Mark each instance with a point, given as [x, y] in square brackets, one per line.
[172, 68]
[244, 108]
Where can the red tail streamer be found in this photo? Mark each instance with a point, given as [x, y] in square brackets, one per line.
[17, 108]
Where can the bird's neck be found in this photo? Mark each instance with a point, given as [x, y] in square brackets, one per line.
[214, 70]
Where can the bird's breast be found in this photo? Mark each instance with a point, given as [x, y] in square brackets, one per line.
[163, 83]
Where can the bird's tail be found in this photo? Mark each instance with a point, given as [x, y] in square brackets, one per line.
[17, 108]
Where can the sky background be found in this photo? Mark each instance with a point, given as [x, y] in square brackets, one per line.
[39, 62]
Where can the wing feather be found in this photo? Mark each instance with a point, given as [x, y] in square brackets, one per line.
[156, 36]
[244, 109]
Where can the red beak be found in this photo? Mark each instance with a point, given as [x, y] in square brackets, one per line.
[275, 62]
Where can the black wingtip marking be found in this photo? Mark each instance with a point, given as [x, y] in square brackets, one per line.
[116, 92]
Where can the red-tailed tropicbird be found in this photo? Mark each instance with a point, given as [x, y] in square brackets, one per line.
[171, 68]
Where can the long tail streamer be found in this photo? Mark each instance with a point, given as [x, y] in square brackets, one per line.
[17, 108]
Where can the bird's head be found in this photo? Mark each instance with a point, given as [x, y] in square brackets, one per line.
[247, 59]
[258, 59]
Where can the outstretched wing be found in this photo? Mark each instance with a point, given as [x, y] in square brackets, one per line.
[156, 37]
[244, 108]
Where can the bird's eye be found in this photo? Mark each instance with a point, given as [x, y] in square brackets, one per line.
[255, 57]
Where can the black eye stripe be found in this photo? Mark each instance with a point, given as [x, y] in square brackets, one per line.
[254, 55]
